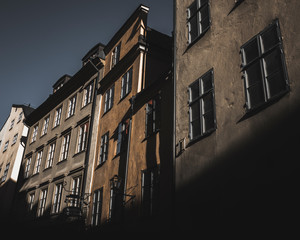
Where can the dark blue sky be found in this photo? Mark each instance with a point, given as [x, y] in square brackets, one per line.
[41, 40]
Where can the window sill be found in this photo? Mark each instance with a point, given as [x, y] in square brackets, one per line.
[100, 165]
[198, 138]
[253, 111]
[196, 39]
[76, 154]
[62, 161]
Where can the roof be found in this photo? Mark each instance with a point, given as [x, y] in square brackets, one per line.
[83, 75]
[140, 9]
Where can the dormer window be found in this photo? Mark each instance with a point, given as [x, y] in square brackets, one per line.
[115, 56]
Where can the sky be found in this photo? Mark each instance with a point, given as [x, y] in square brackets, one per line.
[41, 40]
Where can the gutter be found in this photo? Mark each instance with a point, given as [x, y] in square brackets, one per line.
[174, 117]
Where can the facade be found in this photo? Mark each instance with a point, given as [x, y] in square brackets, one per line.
[55, 159]
[12, 143]
[131, 174]
[237, 113]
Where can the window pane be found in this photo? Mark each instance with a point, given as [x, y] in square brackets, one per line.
[194, 91]
[273, 62]
[202, 2]
[251, 51]
[195, 110]
[254, 74]
[276, 83]
[196, 129]
[207, 103]
[208, 121]
[206, 82]
[193, 28]
[193, 8]
[256, 94]
[270, 38]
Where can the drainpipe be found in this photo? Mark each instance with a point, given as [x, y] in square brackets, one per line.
[127, 154]
[87, 153]
[174, 115]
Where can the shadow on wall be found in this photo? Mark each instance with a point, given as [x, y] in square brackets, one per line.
[252, 186]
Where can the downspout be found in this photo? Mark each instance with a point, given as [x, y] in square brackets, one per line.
[174, 117]
[87, 153]
[127, 154]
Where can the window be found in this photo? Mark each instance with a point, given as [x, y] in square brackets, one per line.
[104, 148]
[45, 126]
[126, 83]
[82, 137]
[198, 18]
[34, 133]
[42, 203]
[87, 94]
[150, 191]
[109, 99]
[202, 106]
[97, 207]
[122, 136]
[5, 146]
[65, 147]
[30, 201]
[71, 106]
[5, 172]
[75, 191]
[57, 198]
[50, 156]
[38, 162]
[263, 66]
[12, 124]
[15, 139]
[152, 116]
[115, 56]
[20, 117]
[57, 116]
[27, 167]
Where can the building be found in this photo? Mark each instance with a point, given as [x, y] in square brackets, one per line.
[236, 114]
[132, 171]
[55, 159]
[12, 143]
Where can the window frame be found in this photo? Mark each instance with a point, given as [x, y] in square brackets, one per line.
[82, 137]
[126, 83]
[50, 155]
[57, 196]
[87, 94]
[115, 56]
[97, 207]
[34, 133]
[42, 202]
[200, 98]
[104, 147]
[71, 106]
[268, 98]
[109, 98]
[45, 125]
[38, 161]
[27, 167]
[64, 152]
[197, 14]
[57, 116]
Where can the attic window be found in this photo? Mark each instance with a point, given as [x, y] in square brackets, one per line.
[115, 56]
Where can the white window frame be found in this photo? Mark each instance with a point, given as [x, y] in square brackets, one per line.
[37, 166]
[71, 106]
[42, 202]
[50, 156]
[82, 137]
[57, 116]
[34, 133]
[65, 147]
[45, 125]
[57, 195]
